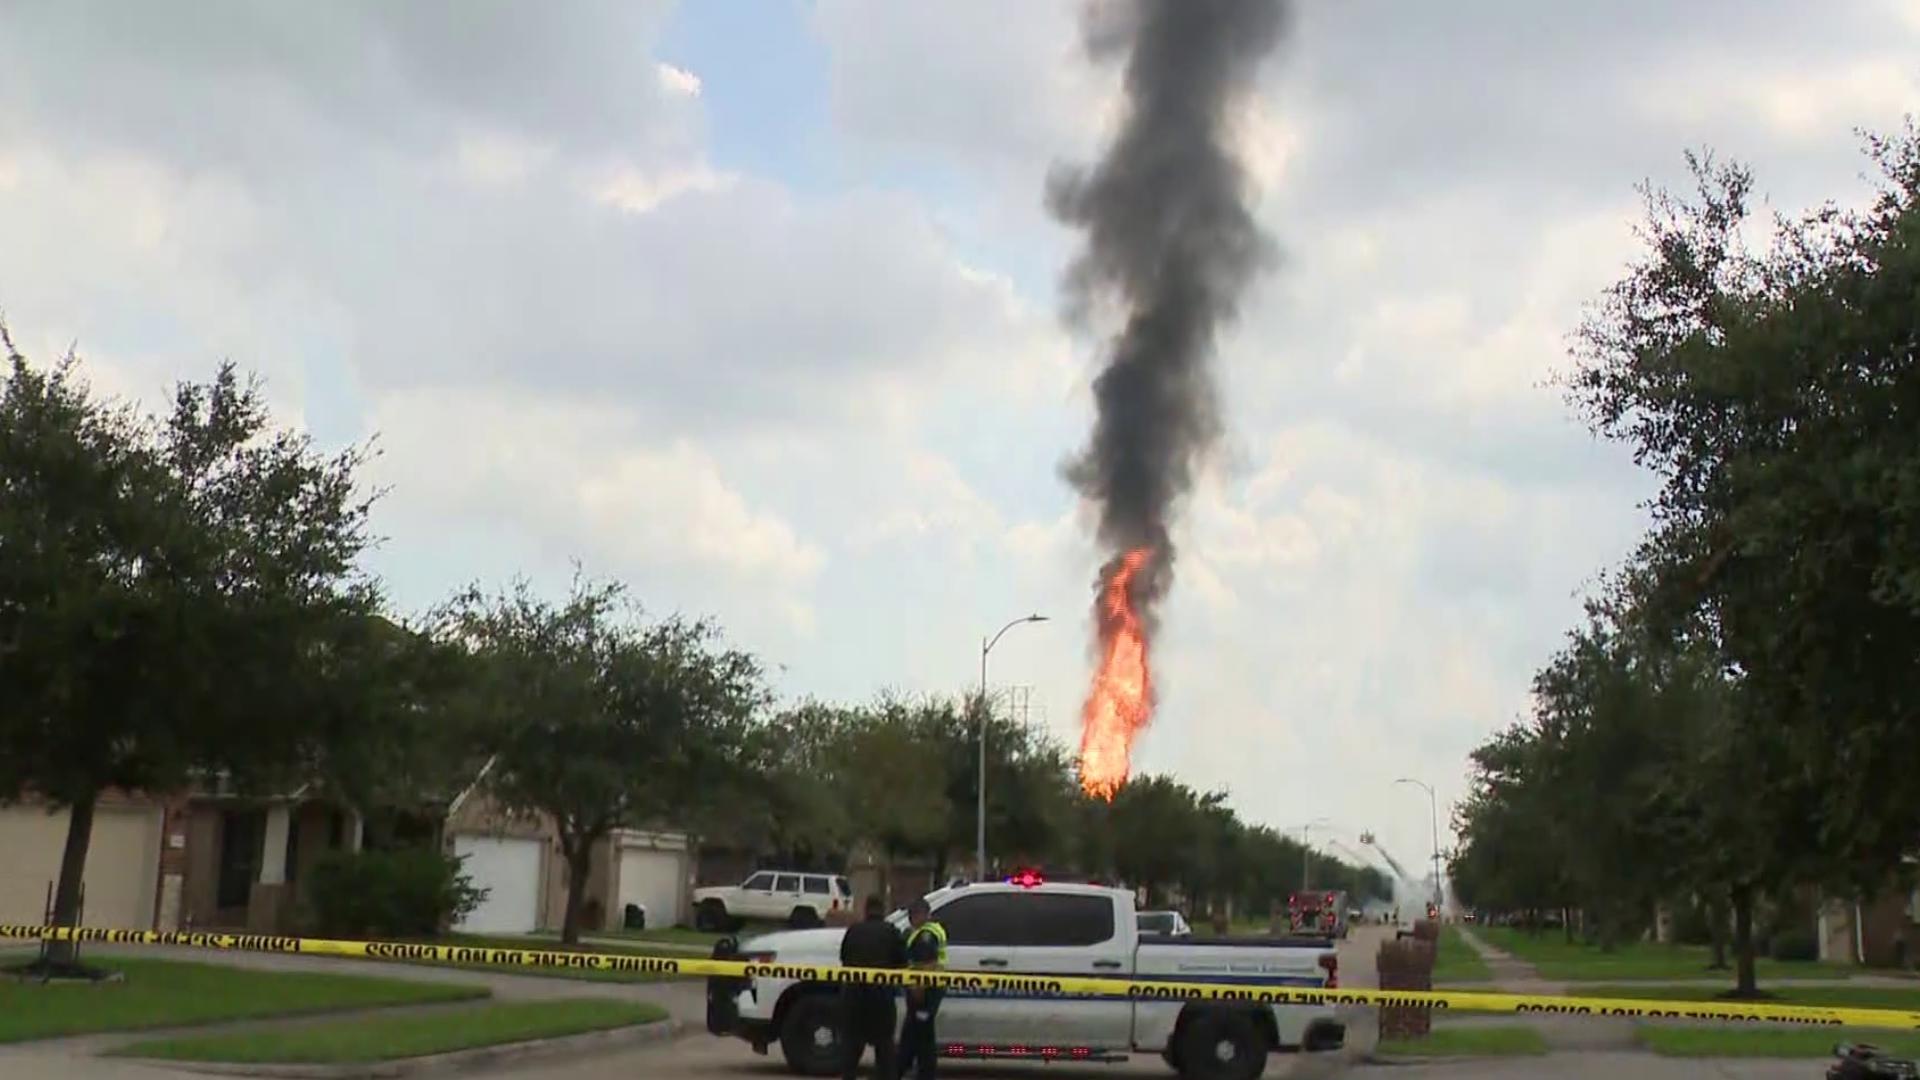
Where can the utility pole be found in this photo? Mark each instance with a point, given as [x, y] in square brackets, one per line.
[1306, 853]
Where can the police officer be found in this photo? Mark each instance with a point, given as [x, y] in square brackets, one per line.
[926, 951]
[872, 943]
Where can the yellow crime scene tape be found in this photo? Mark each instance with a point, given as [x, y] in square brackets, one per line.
[1032, 985]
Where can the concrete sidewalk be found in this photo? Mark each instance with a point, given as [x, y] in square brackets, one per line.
[1513, 975]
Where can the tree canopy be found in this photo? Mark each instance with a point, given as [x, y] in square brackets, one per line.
[179, 596]
[1740, 717]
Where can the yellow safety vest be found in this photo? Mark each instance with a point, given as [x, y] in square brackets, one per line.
[939, 936]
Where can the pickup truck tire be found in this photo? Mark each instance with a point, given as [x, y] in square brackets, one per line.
[810, 1035]
[803, 918]
[1221, 1044]
[711, 916]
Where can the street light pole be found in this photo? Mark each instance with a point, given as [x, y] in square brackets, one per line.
[1433, 811]
[1306, 853]
[980, 811]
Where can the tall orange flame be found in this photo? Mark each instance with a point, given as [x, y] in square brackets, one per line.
[1121, 700]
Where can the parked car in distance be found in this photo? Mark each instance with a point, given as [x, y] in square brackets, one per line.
[793, 897]
[1164, 923]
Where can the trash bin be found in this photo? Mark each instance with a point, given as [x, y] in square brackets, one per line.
[636, 917]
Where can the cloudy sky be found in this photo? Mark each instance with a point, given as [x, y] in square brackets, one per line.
[753, 305]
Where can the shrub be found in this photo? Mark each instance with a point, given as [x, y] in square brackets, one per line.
[409, 892]
[1692, 924]
[1794, 945]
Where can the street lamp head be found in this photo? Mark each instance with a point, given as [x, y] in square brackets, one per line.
[1036, 617]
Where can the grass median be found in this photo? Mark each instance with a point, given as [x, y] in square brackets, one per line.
[1733, 1042]
[171, 993]
[676, 935]
[1455, 961]
[538, 944]
[1558, 960]
[1478, 1040]
[1760, 1040]
[1859, 997]
[389, 1038]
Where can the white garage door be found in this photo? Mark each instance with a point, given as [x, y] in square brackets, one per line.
[653, 879]
[509, 869]
[123, 863]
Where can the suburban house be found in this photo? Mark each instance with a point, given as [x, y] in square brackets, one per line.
[1883, 932]
[207, 858]
[210, 859]
[517, 860]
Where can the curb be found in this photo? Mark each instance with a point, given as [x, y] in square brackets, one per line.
[587, 1042]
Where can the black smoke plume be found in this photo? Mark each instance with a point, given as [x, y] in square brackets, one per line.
[1171, 242]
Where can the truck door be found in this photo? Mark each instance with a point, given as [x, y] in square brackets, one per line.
[981, 930]
[1066, 934]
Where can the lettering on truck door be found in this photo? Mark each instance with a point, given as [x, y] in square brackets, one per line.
[981, 929]
[1064, 934]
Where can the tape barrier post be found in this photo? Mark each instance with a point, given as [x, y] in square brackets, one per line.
[1150, 989]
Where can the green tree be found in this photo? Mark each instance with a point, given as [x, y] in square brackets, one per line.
[599, 721]
[177, 596]
[881, 753]
[1773, 393]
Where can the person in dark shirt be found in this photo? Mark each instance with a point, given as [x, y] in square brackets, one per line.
[871, 943]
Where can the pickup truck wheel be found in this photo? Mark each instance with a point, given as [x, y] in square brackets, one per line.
[803, 918]
[710, 916]
[810, 1037]
[1221, 1045]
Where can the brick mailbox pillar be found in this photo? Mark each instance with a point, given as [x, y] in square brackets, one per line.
[1406, 964]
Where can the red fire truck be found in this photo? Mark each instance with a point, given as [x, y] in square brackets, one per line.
[1323, 913]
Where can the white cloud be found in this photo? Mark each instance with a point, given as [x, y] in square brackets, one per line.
[638, 192]
[499, 158]
[573, 477]
[830, 406]
[679, 80]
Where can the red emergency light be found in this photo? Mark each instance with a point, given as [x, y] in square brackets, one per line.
[1027, 879]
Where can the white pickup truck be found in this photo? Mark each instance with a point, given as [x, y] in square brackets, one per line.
[1050, 930]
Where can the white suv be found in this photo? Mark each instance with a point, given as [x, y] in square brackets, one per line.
[800, 900]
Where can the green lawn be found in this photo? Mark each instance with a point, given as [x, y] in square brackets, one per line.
[1555, 959]
[1479, 1040]
[169, 993]
[510, 941]
[1768, 1042]
[1456, 962]
[1864, 997]
[386, 1038]
[669, 935]
[1760, 1040]
[551, 943]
